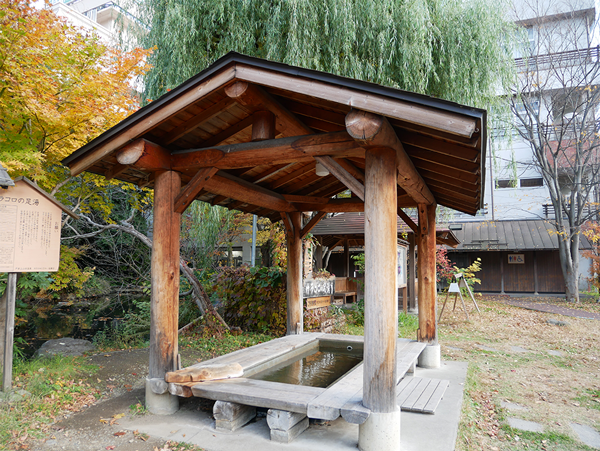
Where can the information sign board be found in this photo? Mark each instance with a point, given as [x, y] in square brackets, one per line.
[30, 225]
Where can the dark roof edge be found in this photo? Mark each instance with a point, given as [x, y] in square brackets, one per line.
[234, 57]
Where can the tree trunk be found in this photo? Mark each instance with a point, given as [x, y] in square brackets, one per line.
[569, 262]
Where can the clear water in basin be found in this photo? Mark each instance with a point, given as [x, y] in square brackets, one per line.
[317, 368]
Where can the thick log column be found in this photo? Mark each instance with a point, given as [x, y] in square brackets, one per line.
[381, 431]
[430, 357]
[412, 275]
[295, 318]
[165, 290]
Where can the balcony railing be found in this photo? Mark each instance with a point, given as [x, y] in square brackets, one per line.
[559, 59]
[591, 211]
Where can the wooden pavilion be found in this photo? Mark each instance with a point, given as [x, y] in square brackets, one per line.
[247, 134]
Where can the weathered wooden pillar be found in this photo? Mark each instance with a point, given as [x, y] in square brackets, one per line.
[295, 318]
[430, 357]
[382, 429]
[164, 310]
[412, 275]
[346, 258]
[319, 254]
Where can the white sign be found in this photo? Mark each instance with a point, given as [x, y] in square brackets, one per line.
[518, 259]
[29, 230]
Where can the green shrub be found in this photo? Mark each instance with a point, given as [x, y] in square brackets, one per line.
[253, 299]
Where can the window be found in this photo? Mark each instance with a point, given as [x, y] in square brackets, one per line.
[506, 183]
[528, 183]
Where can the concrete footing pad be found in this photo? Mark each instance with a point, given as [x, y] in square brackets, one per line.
[431, 357]
[381, 432]
[198, 426]
[165, 404]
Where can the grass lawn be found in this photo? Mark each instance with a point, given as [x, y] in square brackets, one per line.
[514, 356]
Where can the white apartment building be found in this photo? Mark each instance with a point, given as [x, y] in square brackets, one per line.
[558, 50]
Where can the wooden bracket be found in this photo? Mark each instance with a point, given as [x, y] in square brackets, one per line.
[343, 176]
[287, 223]
[313, 222]
[407, 220]
[191, 190]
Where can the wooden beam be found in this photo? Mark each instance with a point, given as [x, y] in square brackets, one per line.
[343, 176]
[152, 120]
[263, 126]
[412, 274]
[164, 312]
[195, 121]
[313, 222]
[306, 199]
[191, 190]
[381, 302]
[145, 155]
[256, 97]
[430, 117]
[333, 206]
[270, 172]
[115, 170]
[295, 324]
[374, 131]
[239, 189]
[407, 220]
[427, 277]
[273, 151]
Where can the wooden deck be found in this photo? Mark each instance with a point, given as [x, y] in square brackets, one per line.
[343, 398]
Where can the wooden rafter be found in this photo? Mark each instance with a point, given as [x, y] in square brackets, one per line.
[455, 173]
[464, 152]
[254, 96]
[196, 120]
[115, 170]
[304, 169]
[228, 132]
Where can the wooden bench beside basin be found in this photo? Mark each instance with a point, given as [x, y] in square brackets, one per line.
[342, 398]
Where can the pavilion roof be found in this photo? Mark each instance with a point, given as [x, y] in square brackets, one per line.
[203, 129]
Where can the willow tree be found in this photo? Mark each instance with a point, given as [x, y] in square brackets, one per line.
[452, 49]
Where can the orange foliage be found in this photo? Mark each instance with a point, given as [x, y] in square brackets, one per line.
[592, 232]
[60, 87]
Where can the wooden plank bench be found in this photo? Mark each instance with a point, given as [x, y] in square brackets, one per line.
[345, 288]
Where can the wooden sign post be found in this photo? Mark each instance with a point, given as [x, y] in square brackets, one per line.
[30, 225]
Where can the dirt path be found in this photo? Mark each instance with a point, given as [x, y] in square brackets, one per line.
[121, 376]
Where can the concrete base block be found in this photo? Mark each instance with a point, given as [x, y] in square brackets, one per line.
[230, 416]
[283, 420]
[280, 436]
[381, 432]
[431, 357]
[160, 404]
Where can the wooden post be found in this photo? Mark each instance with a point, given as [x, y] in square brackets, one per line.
[319, 254]
[412, 275]
[295, 309]
[502, 255]
[427, 283]
[165, 276]
[9, 330]
[536, 284]
[346, 258]
[381, 304]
